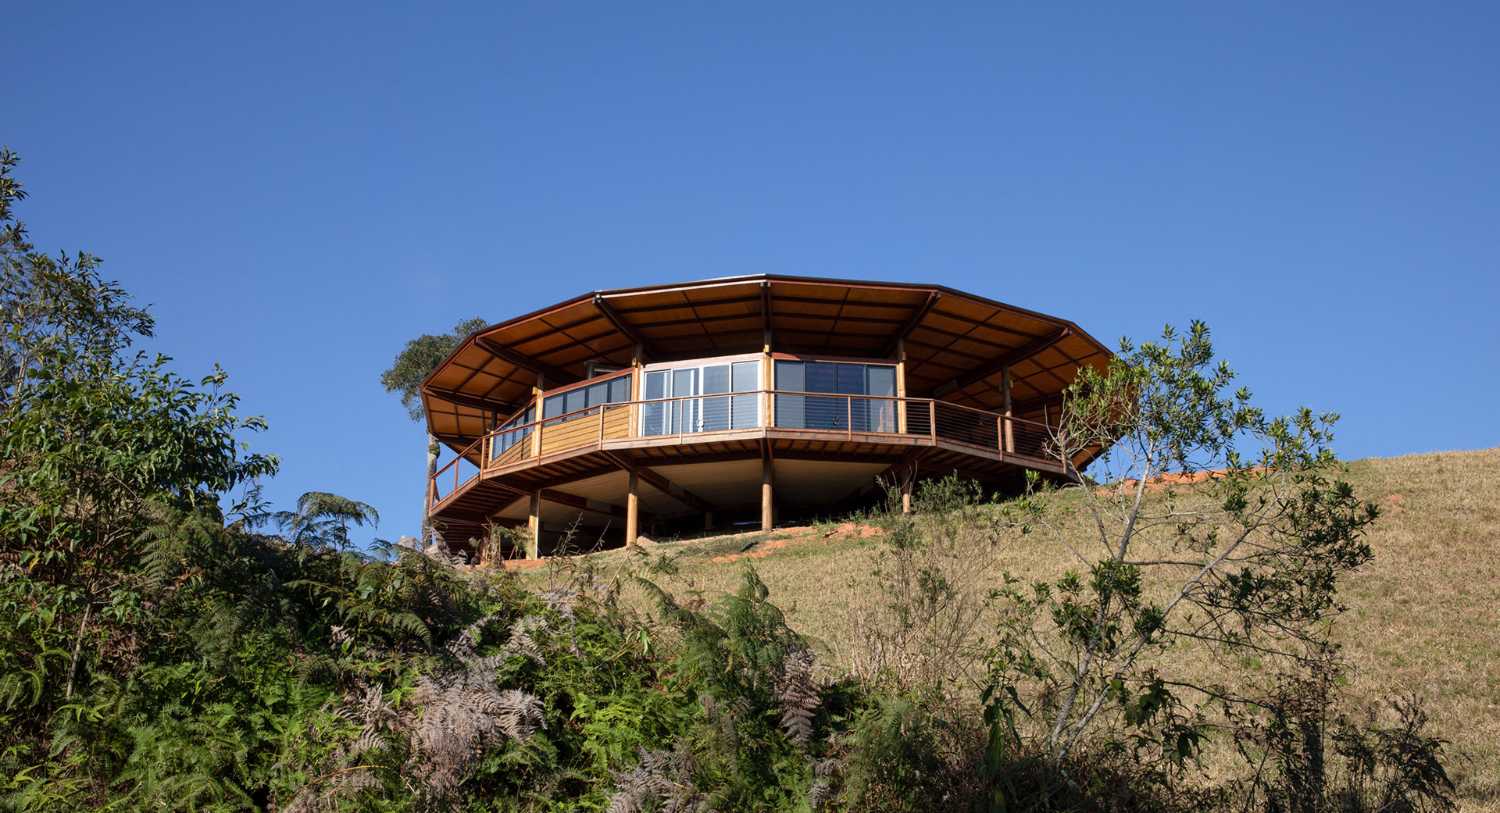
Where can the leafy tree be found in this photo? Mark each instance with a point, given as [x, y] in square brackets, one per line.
[98, 445]
[1214, 527]
[412, 365]
[323, 519]
[56, 312]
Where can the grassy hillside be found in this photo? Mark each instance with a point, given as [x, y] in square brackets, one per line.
[1423, 617]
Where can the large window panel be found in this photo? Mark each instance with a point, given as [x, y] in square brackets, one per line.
[836, 413]
[715, 410]
[619, 389]
[824, 413]
[655, 414]
[684, 411]
[745, 409]
[573, 401]
[512, 432]
[791, 410]
[880, 415]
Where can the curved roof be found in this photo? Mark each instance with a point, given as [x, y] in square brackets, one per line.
[956, 343]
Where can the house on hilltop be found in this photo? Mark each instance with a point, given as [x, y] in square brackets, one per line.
[740, 399]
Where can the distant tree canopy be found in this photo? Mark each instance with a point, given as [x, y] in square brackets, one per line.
[57, 313]
[419, 358]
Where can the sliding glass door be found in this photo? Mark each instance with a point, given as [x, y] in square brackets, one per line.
[701, 397]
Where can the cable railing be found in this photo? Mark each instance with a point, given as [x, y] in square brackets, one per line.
[681, 418]
[457, 473]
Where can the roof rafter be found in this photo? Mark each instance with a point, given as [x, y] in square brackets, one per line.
[765, 315]
[520, 360]
[911, 324]
[629, 332]
[465, 399]
[1021, 353]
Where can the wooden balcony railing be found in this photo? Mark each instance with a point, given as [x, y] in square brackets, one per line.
[680, 419]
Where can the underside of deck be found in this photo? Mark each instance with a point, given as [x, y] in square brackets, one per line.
[812, 473]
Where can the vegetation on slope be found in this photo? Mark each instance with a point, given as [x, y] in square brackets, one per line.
[169, 642]
[1423, 615]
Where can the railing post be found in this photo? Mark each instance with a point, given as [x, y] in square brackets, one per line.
[849, 417]
[1000, 432]
[601, 425]
[932, 420]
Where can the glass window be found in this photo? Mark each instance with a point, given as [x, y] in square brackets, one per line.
[577, 399]
[791, 410]
[702, 398]
[841, 378]
[614, 391]
[654, 415]
[715, 411]
[824, 413]
[684, 412]
[745, 409]
[880, 415]
[508, 437]
[619, 390]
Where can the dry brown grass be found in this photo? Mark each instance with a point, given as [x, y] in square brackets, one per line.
[1424, 617]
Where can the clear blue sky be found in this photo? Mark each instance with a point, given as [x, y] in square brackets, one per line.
[297, 191]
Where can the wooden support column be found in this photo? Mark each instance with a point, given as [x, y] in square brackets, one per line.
[708, 520]
[534, 526]
[536, 398]
[637, 386]
[901, 385]
[906, 484]
[767, 367]
[1008, 442]
[767, 502]
[632, 508]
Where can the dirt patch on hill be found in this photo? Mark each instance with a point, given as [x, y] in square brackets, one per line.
[756, 548]
[801, 536]
[1166, 479]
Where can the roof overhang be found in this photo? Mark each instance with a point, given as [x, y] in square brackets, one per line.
[957, 344]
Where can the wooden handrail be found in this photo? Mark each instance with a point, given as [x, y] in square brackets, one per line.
[589, 410]
[934, 406]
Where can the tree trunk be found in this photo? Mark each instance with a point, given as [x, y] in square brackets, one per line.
[432, 460]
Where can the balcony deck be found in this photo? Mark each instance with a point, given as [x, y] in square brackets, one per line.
[525, 459]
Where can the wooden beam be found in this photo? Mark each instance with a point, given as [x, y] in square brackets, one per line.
[903, 472]
[642, 346]
[1008, 436]
[901, 385]
[582, 503]
[1023, 407]
[471, 401]
[632, 510]
[765, 316]
[534, 526]
[767, 495]
[1012, 358]
[912, 323]
[702, 303]
[661, 483]
[554, 374]
[673, 490]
